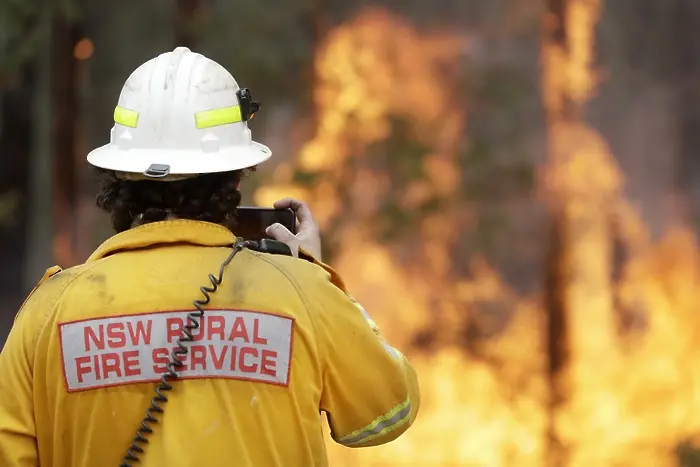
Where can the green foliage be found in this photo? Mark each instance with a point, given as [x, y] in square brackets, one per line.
[395, 221]
[17, 42]
[9, 206]
[20, 32]
[392, 221]
[265, 42]
[487, 179]
[503, 87]
[404, 155]
[495, 168]
[305, 178]
[688, 455]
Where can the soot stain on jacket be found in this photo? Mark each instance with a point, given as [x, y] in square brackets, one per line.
[238, 286]
[98, 281]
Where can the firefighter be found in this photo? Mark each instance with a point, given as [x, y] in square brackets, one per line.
[244, 382]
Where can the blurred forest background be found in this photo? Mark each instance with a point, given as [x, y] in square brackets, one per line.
[511, 187]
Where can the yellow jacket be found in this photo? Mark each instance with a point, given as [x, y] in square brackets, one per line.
[280, 342]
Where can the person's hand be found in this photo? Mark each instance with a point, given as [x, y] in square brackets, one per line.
[307, 237]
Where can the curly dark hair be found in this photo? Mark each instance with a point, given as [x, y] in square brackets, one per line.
[209, 197]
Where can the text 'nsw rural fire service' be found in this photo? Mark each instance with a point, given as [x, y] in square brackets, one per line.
[131, 349]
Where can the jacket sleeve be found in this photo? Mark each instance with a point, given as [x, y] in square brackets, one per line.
[370, 390]
[18, 446]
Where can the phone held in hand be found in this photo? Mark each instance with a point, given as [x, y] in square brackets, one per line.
[251, 222]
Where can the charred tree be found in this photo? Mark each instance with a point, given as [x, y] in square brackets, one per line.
[555, 280]
[318, 24]
[40, 229]
[579, 299]
[16, 141]
[64, 85]
[687, 77]
[185, 23]
[556, 335]
[52, 162]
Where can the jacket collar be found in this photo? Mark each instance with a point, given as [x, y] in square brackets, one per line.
[172, 231]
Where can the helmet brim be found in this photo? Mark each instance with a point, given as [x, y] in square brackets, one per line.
[180, 161]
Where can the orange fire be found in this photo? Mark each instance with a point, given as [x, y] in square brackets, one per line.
[628, 392]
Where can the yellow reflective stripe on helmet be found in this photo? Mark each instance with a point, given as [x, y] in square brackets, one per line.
[390, 421]
[126, 117]
[216, 117]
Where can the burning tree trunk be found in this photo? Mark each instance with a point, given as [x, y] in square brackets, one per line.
[15, 139]
[557, 351]
[40, 162]
[581, 182]
[555, 37]
[687, 78]
[53, 181]
[64, 81]
[184, 23]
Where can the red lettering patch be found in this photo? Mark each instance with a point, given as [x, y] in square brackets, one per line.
[230, 344]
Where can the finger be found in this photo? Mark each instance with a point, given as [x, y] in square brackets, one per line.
[280, 232]
[283, 203]
[299, 207]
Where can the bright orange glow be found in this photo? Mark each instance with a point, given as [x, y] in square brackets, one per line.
[629, 392]
[83, 49]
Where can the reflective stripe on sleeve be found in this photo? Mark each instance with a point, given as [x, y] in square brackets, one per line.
[366, 315]
[390, 421]
[390, 350]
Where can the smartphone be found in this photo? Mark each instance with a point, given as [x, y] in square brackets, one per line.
[251, 222]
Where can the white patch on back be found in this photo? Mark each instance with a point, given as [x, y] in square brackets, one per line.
[230, 344]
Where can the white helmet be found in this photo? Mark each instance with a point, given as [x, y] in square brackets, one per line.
[180, 114]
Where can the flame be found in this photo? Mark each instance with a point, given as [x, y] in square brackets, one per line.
[627, 392]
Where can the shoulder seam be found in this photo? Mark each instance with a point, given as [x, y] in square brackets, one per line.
[58, 297]
[297, 288]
